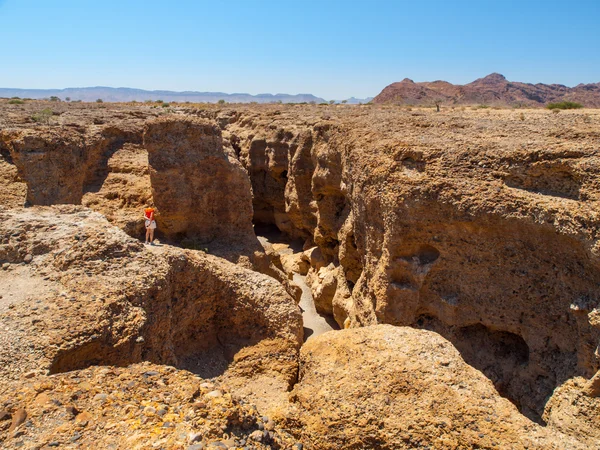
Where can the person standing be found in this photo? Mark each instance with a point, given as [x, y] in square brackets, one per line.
[150, 223]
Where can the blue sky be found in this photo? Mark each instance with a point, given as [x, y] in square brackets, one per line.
[330, 48]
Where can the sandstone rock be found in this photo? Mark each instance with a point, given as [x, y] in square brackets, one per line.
[194, 310]
[199, 190]
[18, 418]
[294, 263]
[402, 388]
[573, 411]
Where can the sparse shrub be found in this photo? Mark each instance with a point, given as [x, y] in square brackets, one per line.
[344, 102]
[16, 101]
[15, 98]
[99, 101]
[586, 118]
[522, 117]
[67, 99]
[221, 102]
[564, 105]
[555, 111]
[482, 106]
[165, 105]
[437, 104]
[331, 102]
[158, 101]
[324, 103]
[54, 98]
[43, 116]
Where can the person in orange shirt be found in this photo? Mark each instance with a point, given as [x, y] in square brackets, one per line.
[150, 223]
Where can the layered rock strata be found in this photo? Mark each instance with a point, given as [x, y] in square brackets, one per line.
[79, 292]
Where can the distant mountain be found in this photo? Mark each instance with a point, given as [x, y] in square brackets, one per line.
[108, 94]
[356, 101]
[491, 90]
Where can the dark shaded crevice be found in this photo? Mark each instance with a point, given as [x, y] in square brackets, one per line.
[504, 358]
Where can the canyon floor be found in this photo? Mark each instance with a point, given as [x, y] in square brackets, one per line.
[325, 277]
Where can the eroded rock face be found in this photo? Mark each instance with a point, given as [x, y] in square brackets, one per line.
[435, 224]
[105, 299]
[574, 409]
[397, 388]
[200, 190]
[60, 165]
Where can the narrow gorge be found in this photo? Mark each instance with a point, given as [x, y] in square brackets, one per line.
[456, 257]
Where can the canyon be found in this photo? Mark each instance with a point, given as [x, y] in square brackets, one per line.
[454, 255]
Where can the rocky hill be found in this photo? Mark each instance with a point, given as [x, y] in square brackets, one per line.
[493, 89]
[459, 250]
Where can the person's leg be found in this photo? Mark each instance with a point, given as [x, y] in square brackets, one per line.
[147, 234]
[151, 235]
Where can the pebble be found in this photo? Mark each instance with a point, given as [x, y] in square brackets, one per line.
[17, 419]
[5, 266]
[196, 447]
[297, 446]
[72, 410]
[100, 397]
[195, 437]
[28, 258]
[214, 394]
[256, 435]
[149, 411]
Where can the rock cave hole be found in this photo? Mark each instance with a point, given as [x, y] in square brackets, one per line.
[503, 357]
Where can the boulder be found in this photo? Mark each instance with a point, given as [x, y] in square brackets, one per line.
[389, 387]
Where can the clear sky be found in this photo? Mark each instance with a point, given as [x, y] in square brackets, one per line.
[330, 48]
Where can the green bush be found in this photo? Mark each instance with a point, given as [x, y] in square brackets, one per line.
[165, 105]
[16, 102]
[99, 101]
[564, 105]
[43, 116]
[221, 102]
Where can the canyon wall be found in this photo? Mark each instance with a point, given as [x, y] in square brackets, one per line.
[479, 225]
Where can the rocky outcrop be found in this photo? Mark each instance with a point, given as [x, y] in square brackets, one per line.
[464, 241]
[200, 191]
[103, 298]
[61, 165]
[390, 387]
[493, 89]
